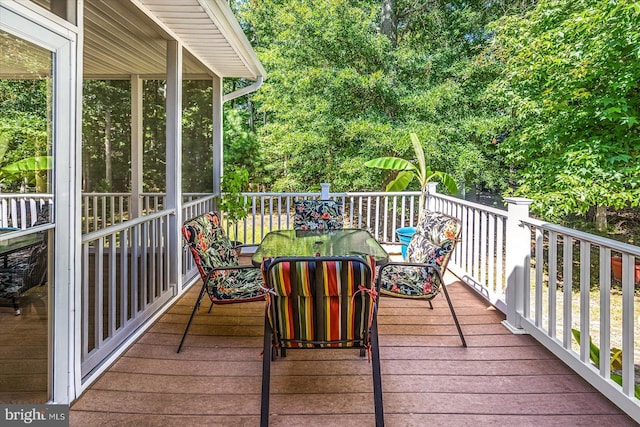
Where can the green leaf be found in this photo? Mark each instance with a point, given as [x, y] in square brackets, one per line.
[618, 380]
[594, 351]
[447, 180]
[30, 164]
[400, 182]
[391, 163]
[4, 145]
[417, 147]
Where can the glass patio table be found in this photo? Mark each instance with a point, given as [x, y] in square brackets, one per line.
[345, 242]
[8, 247]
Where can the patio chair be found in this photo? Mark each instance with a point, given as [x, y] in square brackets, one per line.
[318, 215]
[319, 303]
[223, 279]
[428, 253]
[26, 267]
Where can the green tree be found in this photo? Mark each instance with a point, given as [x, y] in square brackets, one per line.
[346, 81]
[106, 135]
[571, 90]
[197, 136]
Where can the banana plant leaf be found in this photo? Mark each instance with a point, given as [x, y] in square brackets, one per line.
[4, 145]
[400, 182]
[594, 351]
[391, 163]
[447, 180]
[30, 164]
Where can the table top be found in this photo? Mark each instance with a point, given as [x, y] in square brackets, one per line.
[345, 242]
[17, 243]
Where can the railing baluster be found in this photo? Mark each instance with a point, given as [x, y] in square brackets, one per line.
[111, 304]
[628, 322]
[605, 309]
[553, 283]
[567, 281]
[539, 280]
[585, 276]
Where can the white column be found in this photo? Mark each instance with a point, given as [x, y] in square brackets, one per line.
[137, 143]
[518, 253]
[174, 159]
[218, 150]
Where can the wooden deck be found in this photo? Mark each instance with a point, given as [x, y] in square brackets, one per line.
[427, 377]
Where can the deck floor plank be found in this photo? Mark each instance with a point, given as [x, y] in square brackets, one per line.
[427, 377]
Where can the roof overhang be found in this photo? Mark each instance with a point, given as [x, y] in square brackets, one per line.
[122, 38]
[209, 31]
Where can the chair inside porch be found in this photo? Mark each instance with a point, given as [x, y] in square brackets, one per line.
[428, 378]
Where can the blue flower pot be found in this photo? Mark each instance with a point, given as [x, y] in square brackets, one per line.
[404, 235]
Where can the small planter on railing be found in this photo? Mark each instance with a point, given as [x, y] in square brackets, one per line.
[616, 268]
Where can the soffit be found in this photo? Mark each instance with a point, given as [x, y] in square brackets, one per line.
[211, 33]
[124, 37]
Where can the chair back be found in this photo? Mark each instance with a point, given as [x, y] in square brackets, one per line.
[320, 302]
[44, 215]
[318, 215]
[208, 243]
[434, 240]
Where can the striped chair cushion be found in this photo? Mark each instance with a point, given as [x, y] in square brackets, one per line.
[312, 303]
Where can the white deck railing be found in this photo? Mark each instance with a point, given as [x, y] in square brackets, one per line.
[479, 258]
[381, 213]
[20, 210]
[125, 281]
[569, 286]
[519, 264]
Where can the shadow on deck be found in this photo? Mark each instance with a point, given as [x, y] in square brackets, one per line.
[427, 377]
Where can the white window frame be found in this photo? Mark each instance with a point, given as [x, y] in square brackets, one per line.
[40, 27]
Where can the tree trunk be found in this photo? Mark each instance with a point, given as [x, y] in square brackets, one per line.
[601, 218]
[388, 24]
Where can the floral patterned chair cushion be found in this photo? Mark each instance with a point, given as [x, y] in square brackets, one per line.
[217, 262]
[430, 246]
[318, 215]
[427, 257]
[23, 270]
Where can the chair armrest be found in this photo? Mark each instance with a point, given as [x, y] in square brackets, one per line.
[409, 264]
[240, 248]
[232, 267]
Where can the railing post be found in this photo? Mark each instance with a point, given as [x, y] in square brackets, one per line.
[430, 203]
[324, 191]
[518, 251]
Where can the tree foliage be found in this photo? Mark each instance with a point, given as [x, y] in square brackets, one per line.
[341, 91]
[24, 142]
[571, 87]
